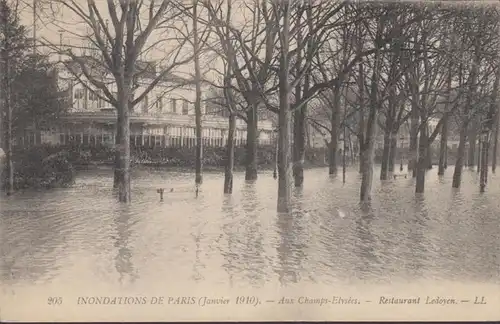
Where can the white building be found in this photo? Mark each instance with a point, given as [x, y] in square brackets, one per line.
[165, 117]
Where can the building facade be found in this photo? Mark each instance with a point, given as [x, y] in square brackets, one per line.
[164, 117]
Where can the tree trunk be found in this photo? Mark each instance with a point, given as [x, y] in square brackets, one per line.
[351, 150]
[284, 151]
[487, 156]
[428, 155]
[344, 154]
[7, 106]
[488, 128]
[228, 175]
[367, 175]
[276, 157]
[284, 120]
[335, 121]
[495, 143]
[199, 148]
[484, 166]
[457, 173]
[385, 153]
[479, 154]
[197, 105]
[471, 161]
[124, 149]
[446, 159]
[443, 146]
[361, 113]
[362, 153]
[367, 166]
[118, 160]
[413, 149]
[251, 147]
[422, 162]
[299, 146]
[299, 115]
[392, 151]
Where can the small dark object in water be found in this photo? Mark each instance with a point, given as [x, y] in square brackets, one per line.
[400, 175]
[197, 190]
[275, 175]
[172, 190]
[160, 191]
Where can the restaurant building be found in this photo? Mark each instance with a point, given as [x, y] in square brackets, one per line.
[165, 117]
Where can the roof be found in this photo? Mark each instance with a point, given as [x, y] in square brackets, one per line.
[144, 69]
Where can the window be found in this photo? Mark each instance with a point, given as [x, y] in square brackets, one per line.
[174, 105]
[79, 94]
[185, 107]
[159, 103]
[93, 96]
[145, 104]
[101, 102]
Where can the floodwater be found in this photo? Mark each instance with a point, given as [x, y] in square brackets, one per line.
[240, 239]
[81, 239]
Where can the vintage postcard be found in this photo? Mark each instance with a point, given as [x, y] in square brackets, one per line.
[249, 160]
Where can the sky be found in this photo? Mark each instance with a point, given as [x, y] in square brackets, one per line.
[67, 28]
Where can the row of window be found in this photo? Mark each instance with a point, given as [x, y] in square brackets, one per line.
[160, 131]
[143, 141]
[159, 104]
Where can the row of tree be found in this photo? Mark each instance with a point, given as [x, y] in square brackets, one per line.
[374, 66]
[369, 65]
[29, 93]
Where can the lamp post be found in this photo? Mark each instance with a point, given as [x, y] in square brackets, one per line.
[401, 165]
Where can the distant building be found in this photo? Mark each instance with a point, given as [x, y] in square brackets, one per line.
[165, 117]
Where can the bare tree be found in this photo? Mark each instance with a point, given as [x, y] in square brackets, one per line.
[13, 44]
[477, 40]
[250, 50]
[197, 105]
[374, 107]
[120, 46]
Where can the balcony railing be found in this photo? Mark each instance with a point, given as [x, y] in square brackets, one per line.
[109, 115]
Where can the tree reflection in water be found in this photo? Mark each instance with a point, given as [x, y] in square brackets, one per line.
[198, 227]
[417, 255]
[252, 236]
[366, 244]
[245, 239]
[228, 230]
[123, 260]
[486, 228]
[294, 242]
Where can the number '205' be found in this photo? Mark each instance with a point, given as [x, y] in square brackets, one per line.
[54, 300]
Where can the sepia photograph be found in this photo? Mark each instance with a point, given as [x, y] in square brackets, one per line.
[249, 160]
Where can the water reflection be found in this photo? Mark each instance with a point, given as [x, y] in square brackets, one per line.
[229, 230]
[293, 246]
[417, 253]
[252, 234]
[123, 259]
[366, 245]
[82, 233]
[31, 241]
[483, 229]
[199, 226]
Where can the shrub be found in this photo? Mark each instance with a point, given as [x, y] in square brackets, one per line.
[40, 167]
[168, 156]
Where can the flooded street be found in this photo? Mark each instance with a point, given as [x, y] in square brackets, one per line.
[83, 234]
